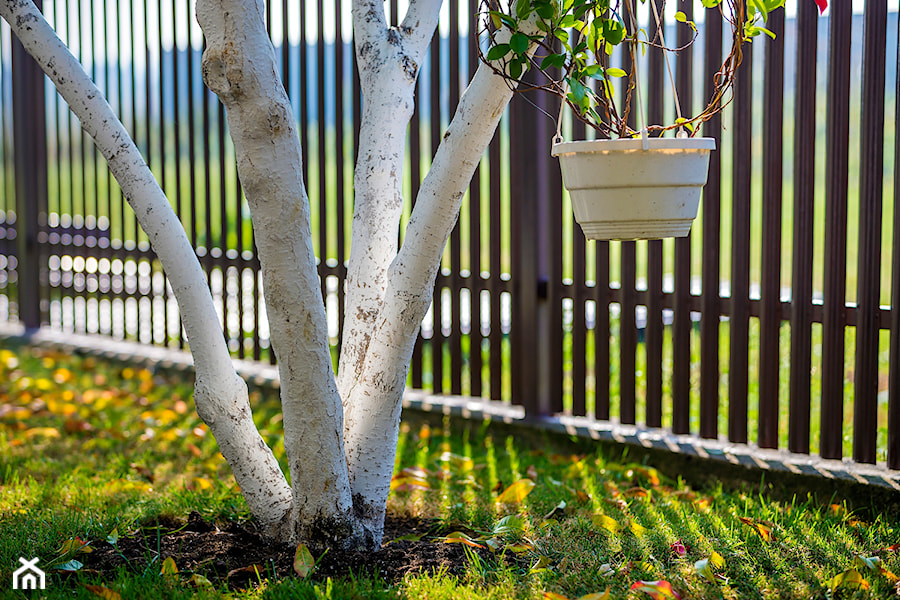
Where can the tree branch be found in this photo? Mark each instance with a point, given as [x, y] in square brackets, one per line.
[369, 26]
[372, 408]
[419, 24]
[389, 66]
[220, 395]
[239, 66]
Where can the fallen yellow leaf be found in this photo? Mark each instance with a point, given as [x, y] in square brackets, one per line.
[516, 492]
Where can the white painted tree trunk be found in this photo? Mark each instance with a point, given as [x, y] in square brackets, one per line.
[239, 66]
[340, 454]
[220, 395]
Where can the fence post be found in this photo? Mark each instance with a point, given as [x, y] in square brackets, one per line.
[30, 156]
[532, 327]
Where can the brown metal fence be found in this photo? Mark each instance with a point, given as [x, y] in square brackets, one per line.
[771, 324]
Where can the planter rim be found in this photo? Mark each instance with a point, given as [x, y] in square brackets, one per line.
[598, 146]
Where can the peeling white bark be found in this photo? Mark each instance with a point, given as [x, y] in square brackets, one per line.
[220, 395]
[239, 66]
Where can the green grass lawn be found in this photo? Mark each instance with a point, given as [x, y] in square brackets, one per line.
[90, 450]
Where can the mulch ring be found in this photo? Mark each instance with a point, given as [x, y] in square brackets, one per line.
[241, 558]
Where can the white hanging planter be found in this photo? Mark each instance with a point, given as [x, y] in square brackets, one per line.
[630, 189]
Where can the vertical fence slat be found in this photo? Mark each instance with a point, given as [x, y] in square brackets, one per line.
[739, 323]
[455, 305]
[579, 305]
[601, 332]
[415, 177]
[437, 333]
[804, 191]
[773, 159]
[654, 325]
[552, 253]
[286, 46]
[893, 441]
[834, 311]
[176, 141]
[30, 156]
[628, 334]
[495, 357]
[475, 282]
[303, 96]
[710, 302]
[865, 377]
[524, 234]
[681, 325]
[340, 116]
[536, 326]
[323, 162]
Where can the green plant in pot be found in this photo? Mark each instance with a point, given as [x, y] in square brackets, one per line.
[638, 180]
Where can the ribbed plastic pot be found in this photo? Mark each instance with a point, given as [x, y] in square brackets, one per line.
[622, 191]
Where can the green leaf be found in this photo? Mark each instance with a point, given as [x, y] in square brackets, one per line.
[553, 60]
[515, 69]
[303, 561]
[850, 579]
[710, 3]
[613, 31]
[578, 90]
[504, 18]
[680, 17]
[510, 524]
[523, 9]
[615, 72]
[546, 10]
[758, 6]
[72, 565]
[562, 35]
[113, 537]
[519, 43]
[872, 563]
[495, 18]
[594, 71]
[498, 51]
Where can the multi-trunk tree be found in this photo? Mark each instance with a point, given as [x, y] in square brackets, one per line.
[340, 430]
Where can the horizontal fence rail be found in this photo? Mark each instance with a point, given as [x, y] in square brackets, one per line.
[771, 324]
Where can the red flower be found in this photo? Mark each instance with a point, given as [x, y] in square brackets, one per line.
[822, 4]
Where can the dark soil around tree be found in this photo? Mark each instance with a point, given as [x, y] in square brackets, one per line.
[235, 554]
